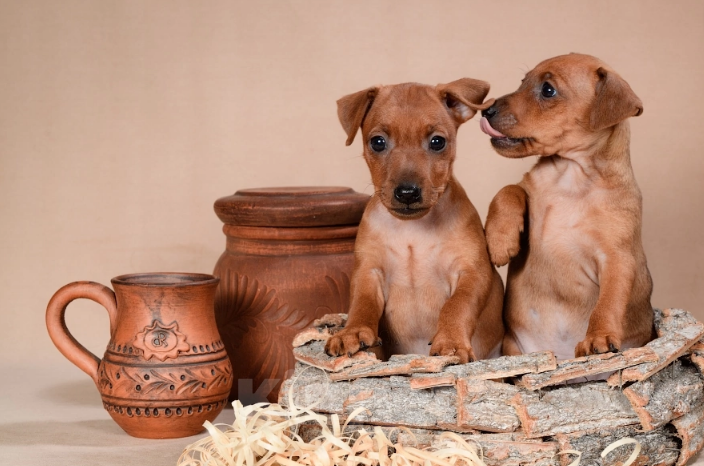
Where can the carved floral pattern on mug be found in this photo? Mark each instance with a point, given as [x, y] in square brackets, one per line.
[161, 341]
[202, 380]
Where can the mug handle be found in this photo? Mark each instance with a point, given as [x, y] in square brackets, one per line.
[56, 322]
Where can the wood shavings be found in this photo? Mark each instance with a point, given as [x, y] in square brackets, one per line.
[265, 434]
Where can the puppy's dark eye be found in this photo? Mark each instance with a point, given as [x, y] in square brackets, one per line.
[548, 91]
[437, 143]
[377, 143]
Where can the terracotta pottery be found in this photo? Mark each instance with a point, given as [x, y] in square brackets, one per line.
[288, 259]
[165, 370]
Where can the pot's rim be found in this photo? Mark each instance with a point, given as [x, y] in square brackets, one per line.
[292, 207]
[165, 279]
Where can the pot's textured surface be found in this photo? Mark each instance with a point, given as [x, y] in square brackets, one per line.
[165, 370]
[288, 260]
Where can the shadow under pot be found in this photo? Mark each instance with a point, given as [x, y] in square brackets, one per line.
[288, 259]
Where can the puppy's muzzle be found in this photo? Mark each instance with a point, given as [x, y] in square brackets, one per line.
[408, 194]
[486, 123]
[490, 112]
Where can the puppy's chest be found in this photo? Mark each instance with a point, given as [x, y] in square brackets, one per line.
[417, 262]
[560, 222]
[419, 277]
[566, 230]
[564, 210]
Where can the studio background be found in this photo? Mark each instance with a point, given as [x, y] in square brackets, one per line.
[121, 122]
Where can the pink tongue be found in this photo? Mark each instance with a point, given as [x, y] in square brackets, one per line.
[486, 127]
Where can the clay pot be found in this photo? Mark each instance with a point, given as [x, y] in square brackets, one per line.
[288, 259]
[165, 370]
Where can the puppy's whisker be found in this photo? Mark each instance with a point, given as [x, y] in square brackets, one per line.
[439, 191]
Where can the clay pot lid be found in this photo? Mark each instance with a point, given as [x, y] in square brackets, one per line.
[310, 206]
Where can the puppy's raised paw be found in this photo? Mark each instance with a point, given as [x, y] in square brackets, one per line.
[503, 238]
[598, 344]
[350, 340]
[442, 346]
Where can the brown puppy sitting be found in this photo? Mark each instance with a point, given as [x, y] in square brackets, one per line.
[422, 272]
[578, 282]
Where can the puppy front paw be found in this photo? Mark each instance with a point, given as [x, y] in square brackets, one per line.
[598, 344]
[503, 240]
[445, 346]
[350, 340]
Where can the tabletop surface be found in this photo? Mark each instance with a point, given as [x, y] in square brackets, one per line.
[52, 414]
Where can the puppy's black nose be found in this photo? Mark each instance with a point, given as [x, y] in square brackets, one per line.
[490, 112]
[407, 194]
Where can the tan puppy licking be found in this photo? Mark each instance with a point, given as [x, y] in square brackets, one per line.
[422, 272]
[578, 282]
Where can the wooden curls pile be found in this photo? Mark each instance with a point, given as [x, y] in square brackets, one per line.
[264, 434]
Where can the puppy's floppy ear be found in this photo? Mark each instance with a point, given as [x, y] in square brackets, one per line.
[351, 110]
[464, 97]
[615, 101]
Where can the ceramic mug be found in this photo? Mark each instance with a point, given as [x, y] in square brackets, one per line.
[165, 370]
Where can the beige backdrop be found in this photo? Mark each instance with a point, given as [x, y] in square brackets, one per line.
[122, 121]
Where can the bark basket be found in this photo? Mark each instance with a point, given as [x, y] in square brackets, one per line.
[537, 408]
